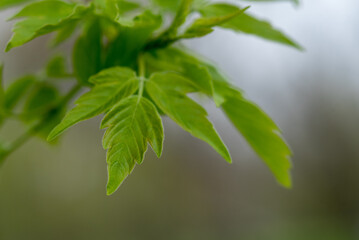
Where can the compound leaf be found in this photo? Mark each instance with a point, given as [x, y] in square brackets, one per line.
[130, 125]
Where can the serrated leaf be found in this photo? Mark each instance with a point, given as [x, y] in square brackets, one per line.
[111, 85]
[56, 67]
[130, 125]
[184, 111]
[256, 127]
[41, 18]
[262, 134]
[16, 91]
[231, 99]
[87, 53]
[246, 23]
[41, 10]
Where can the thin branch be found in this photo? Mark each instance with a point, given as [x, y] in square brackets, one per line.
[21, 140]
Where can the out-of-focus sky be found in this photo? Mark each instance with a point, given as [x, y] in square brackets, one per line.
[191, 193]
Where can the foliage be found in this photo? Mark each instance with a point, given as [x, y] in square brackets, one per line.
[130, 61]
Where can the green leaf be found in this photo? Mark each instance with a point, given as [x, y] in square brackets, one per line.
[257, 128]
[130, 125]
[87, 53]
[124, 50]
[184, 111]
[221, 88]
[246, 23]
[115, 8]
[172, 59]
[16, 91]
[56, 67]
[296, 2]
[203, 26]
[262, 134]
[111, 85]
[41, 18]
[126, 6]
[173, 5]
[11, 3]
[231, 98]
[170, 35]
[64, 33]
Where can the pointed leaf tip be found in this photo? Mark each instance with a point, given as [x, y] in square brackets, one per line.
[131, 124]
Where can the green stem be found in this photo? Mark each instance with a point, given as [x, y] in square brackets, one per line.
[20, 141]
[70, 94]
[142, 74]
[170, 35]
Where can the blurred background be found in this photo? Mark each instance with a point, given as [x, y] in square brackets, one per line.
[58, 192]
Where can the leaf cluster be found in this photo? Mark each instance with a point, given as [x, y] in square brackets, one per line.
[136, 72]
